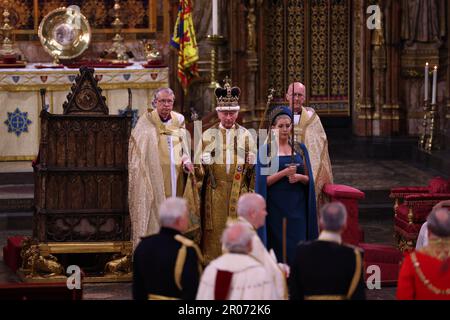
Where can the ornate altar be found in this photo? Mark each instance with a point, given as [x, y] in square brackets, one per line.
[81, 182]
[20, 99]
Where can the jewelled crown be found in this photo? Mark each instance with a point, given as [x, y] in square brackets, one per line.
[227, 97]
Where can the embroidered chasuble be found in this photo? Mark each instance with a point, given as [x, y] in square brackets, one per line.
[155, 170]
[224, 182]
[309, 131]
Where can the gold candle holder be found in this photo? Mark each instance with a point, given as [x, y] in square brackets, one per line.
[118, 47]
[215, 41]
[424, 136]
[432, 142]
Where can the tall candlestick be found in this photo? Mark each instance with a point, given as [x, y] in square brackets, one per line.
[433, 99]
[215, 17]
[427, 70]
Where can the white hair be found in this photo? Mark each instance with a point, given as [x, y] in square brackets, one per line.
[237, 238]
[438, 222]
[246, 204]
[158, 91]
[172, 209]
[333, 216]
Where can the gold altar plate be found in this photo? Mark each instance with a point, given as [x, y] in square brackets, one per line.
[63, 34]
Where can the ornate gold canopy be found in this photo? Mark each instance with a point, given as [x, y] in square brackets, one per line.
[65, 33]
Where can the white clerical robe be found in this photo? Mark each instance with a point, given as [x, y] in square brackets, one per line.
[250, 280]
[146, 181]
[260, 253]
[173, 171]
[422, 239]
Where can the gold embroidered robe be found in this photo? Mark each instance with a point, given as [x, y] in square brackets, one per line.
[222, 188]
[154, 167]
[309, 131]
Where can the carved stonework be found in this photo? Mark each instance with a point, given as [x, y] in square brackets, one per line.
[275, 38]
[133, 13]
[357, 62]
[35, 264]
[95, 11]
[295, 42]
[309, 41]
[86, 96]
[119, 265]
[19, 13]
[49, 5]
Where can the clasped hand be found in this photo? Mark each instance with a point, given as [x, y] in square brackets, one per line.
[293, 176]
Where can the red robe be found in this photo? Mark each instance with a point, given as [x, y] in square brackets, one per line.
[434, 266]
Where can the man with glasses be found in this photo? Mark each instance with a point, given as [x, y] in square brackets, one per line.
[309, 131]
[158, 154]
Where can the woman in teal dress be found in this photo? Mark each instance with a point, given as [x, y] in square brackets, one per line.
[287, 184]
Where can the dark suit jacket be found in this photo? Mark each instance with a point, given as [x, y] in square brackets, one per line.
[324, 268]
[154, 268]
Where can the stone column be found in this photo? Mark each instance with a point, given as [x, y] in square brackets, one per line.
[390, 117]
[362, 113]
[252, 58]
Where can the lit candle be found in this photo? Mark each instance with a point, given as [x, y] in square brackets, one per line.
[427, 70]
[433, 99]
[215, 17]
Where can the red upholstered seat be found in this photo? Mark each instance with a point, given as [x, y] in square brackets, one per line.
[420, 213]
[412, 206]
[11, 252]
[349, 197]
[387, 258]
[342, 191]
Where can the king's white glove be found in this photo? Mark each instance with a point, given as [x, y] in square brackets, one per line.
[285, 268]
[206, 158]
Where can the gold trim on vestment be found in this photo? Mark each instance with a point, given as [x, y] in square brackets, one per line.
[170, 130]
[426, 282]
[437, 248]
[353, 285]
[160, 297]
[235, 189]
[146, 182]
[322, 155]
[179, 264]
[356, 275]
[181, 258]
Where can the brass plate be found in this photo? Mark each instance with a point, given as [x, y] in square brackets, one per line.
[64, 33]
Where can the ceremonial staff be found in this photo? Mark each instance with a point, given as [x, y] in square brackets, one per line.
[269, 101]
[293, 163]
